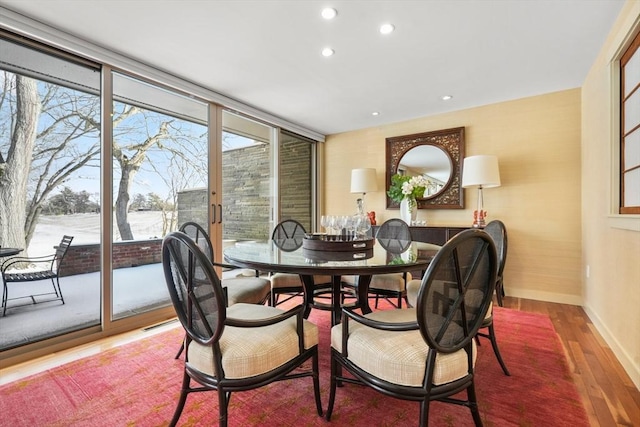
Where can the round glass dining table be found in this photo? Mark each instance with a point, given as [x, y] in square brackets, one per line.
[362, 263]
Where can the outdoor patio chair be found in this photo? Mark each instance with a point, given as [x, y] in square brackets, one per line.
[30, 269]
[236, 348]
[428, 352]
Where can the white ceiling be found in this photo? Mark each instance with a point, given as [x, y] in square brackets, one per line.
[267, 53]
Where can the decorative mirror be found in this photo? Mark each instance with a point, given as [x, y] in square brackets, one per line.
[435, 155]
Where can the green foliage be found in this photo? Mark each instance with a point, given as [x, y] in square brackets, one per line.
[407, 186]
[395, 190]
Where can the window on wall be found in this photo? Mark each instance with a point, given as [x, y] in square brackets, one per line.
[49, 185]
[630, 129]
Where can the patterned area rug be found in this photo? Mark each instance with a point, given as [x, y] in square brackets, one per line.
[138, 385]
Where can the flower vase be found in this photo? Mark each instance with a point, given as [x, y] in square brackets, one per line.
[409, 210]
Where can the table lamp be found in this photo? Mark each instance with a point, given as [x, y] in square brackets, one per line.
[363, 181]
[481, 172]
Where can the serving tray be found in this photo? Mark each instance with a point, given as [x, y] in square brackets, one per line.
[320, 242]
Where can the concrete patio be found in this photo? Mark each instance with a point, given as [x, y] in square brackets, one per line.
[135, 289]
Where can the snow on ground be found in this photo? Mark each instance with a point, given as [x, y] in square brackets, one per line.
[85, 229]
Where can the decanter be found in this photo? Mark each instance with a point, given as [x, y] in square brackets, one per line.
[361, 222]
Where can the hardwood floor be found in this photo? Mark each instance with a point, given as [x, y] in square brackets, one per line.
[608, 394]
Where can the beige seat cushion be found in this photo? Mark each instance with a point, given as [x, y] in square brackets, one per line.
[388, 282]
[250, 290]
[413, 287]
[289, 280]
[247, 352]
[398, 357]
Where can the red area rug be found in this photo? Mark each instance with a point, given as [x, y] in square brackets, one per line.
[138, 385]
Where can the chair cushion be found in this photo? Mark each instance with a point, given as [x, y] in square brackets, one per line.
[389, 282]
[413, 287]
[247, 352]
[238, 272]
[398, 357]
[290, 280]
[250, 290]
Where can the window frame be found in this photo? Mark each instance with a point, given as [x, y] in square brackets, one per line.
[630, 51]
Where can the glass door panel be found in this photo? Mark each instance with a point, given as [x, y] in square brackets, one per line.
[296, 179]
[246, 179]
[49, 187]
[160, 153]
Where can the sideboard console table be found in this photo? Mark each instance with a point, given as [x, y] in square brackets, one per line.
[430, 234]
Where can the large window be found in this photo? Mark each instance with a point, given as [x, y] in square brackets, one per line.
[159, 149]
[118, 162]
[630, 129]
[50, 152]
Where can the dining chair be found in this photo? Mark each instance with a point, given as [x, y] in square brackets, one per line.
[245, 288]
[45, 267]
[498, 232]
[394, 235]
[428, 352]
[288, 235]
[235, 348]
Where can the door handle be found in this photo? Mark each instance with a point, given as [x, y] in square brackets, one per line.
[213, 213]
[220, 219]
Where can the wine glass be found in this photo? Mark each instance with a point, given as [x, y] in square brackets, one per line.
[324, 222]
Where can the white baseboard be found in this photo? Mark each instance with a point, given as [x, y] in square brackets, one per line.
[632, 369]
[545, 296]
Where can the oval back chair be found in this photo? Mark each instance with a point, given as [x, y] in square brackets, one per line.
[428, 352]
[236, 348]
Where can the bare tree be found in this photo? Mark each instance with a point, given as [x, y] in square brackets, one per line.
[13, 181]
[39, 162]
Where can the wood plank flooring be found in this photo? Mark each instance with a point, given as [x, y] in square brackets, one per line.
[608, 394]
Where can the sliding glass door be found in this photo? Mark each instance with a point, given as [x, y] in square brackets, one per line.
[118, 162]
[159, 150]
[247, 179]
[50, 153]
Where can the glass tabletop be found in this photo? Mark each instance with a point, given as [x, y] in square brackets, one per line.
[338, 260]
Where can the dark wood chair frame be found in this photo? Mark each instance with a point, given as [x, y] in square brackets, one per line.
[498, 232]
[288, 235]
[173, 249]
[52, 262]
[392, 244]
[196, 232]
[428, 392]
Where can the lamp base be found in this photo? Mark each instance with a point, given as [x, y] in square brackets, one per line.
[478, 219]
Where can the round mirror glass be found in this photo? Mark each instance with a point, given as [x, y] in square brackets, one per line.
[430, 161]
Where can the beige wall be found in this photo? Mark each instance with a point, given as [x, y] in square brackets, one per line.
[537, 141]
[612, 290]
[557, 160]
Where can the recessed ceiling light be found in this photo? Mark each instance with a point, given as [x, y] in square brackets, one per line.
[329, 13]
[446, 97]
[386, 28]
[375, 113]
[327, 51]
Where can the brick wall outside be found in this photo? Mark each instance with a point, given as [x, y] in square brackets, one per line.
[82, 259]
[246, 180]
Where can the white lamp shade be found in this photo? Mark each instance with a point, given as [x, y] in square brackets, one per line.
[363, 180]
[480, 171]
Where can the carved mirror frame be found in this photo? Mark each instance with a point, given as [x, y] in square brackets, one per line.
[449, 140]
